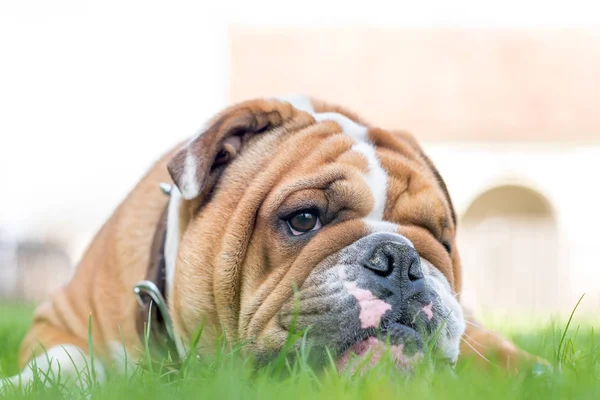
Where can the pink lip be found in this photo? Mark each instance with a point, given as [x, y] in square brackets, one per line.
[376, 348]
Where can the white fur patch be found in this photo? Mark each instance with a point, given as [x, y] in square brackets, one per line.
[171, 249]
[376, 226]
[376, 177]
[350, 128]
[189, 179]
[299, 101]
[172, 238]
[121, 360]
[73, 365]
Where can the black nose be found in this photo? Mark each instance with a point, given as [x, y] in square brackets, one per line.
[390, 259]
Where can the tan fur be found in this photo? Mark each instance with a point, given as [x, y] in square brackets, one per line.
[233, 270]
[102, 285]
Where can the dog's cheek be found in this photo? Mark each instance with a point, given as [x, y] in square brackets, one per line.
[325, 307]
[447, 313]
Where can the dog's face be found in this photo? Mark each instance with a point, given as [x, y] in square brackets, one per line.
[298, 215]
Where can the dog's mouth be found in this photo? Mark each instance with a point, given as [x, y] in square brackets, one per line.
[401, 342]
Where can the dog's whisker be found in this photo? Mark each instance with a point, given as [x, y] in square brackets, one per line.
[473, 340]
[477, 351]
[482, 328]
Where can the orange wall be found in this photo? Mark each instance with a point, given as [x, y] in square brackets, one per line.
[440, 84]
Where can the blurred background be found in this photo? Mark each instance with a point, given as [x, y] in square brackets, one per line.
[504, 97]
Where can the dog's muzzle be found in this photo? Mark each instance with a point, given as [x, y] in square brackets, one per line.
[378, 289]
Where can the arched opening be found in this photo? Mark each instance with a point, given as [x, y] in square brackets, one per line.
[509, 249]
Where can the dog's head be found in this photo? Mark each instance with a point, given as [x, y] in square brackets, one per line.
[298, 214]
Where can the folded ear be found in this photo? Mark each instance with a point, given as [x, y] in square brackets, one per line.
[196, 167]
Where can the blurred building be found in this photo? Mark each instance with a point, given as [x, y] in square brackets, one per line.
[30, 270]
[511, 118]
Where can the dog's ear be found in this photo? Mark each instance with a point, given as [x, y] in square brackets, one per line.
[196, 167]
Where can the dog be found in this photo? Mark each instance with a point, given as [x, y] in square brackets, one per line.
[280, 214]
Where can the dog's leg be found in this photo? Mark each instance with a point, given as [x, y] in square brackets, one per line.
[53, 356]
[488, 348]
[71, 362]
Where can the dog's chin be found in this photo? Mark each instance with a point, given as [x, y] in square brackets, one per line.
[368, 353]
[401, 344]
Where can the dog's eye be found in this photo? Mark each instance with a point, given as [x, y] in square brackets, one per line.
[447, 246]
[304, 221]
[222, 157]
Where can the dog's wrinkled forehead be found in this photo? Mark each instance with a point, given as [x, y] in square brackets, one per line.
[376, 177]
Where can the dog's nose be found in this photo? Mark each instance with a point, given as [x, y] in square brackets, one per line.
[395, 260]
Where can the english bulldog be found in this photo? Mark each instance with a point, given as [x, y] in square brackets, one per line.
[280, 214]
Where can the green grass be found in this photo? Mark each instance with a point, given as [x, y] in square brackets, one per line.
[227, 375]
[14, 323]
